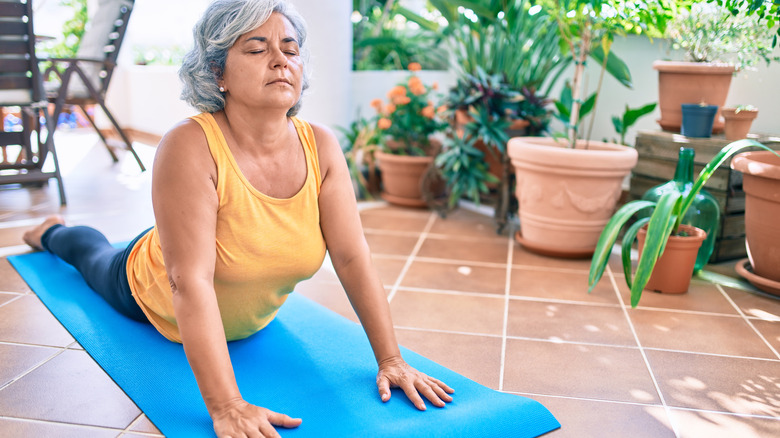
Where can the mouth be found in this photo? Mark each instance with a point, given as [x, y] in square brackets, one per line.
[280, 81]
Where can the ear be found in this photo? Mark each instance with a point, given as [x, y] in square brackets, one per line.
[218, 76]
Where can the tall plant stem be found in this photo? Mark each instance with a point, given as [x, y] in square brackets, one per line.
[598, 93]
[579, 70]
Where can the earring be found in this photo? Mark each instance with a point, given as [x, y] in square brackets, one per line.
[222, 89]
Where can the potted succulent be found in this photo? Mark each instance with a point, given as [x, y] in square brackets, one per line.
[716, 45]
[737, 120]
[662, 230]
[406, 125]
[567, 189]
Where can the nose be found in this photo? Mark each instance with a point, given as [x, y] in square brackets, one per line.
[278, 60]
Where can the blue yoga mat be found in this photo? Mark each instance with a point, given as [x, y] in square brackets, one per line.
[309, 363]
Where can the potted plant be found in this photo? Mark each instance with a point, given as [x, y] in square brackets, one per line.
[406, 125]
[359, 143]
[738, 120]
[716, 45]
[662, 230]
[697, 119]
[568, 188]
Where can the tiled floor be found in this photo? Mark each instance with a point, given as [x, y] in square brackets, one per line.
[703, 364]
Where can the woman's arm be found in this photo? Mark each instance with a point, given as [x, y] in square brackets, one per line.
[343, 232]
[185, 207]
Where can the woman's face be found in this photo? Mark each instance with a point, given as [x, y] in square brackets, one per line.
[263, 69]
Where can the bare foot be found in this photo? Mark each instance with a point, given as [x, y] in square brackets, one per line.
[33, 237]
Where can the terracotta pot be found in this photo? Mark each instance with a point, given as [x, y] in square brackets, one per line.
[566, 195]
[691, 82]
[737, 124]
[674, 269]
[402, 178]
[761, 183]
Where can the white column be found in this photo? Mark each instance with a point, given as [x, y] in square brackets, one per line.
[329, 97]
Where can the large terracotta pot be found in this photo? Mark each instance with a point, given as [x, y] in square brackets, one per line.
[402, 178]
[737, 123]
[761, 183]
[674, 269]
[691, 82]
[566, 195]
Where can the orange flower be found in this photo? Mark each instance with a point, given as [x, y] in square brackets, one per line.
[414, 81]
[398, 90]
[384, 123]
[390, 109]
[428, 112]
[377, 104]
[401, 100]
[418, 90]
[414, 66]
[435, 85]
[441, 109]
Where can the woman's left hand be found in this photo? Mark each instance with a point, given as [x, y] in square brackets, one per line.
[396, 373]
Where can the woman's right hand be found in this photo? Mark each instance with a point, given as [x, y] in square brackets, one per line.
[239, 419]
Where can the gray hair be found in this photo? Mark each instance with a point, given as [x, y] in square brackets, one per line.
[223, 22]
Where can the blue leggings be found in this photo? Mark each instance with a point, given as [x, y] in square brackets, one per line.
[102, 265]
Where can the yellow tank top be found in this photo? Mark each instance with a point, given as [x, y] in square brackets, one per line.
[265, 245]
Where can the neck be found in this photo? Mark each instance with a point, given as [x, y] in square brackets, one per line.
[262, 130]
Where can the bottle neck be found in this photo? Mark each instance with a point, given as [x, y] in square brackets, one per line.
[684, 173]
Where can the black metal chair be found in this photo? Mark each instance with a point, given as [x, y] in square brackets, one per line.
[84, 80]
[21, 86]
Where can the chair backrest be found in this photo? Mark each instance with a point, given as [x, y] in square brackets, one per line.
[20, 79]
[101, 41]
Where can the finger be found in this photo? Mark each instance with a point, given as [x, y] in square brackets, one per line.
[268, 431]
[440, 392]
[384, 388]
[411, 393]
[427, 391]
[442, 385]
[283, 420]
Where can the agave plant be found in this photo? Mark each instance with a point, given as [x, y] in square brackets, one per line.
[664, 221]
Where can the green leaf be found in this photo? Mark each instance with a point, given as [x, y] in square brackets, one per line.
[618, 124]
[628, 241]
[608, 237]
[615, 66]
[659, 229]
[633, 114]
[424, 23]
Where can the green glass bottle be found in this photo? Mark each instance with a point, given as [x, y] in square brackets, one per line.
[704, 212]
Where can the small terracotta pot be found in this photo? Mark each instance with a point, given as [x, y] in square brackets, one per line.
[674, 269]
[402, 178]
[761, 183]
[738, 123]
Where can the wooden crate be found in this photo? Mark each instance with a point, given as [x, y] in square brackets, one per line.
[658, 153]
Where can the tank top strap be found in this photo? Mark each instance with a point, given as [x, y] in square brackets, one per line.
[306, 134]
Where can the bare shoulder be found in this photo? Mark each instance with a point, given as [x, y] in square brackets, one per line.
[328, 147]
[185, 143]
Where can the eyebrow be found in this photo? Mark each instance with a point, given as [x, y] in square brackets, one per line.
[263, 39]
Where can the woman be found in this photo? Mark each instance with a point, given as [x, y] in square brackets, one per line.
[247, 198]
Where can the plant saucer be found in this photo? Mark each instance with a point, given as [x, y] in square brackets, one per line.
[746, 270]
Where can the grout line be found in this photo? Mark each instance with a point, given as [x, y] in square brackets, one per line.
[667, 410]
[73, 425]
[747, 320]
[462, 262]
[507, 284]
[59, 351]
[588, 399]
[12, 299]
[410, 259]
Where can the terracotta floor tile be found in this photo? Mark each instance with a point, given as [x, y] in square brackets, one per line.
[698, 333]
[27, 321]
[70, 388]
[328, 294]
[583, 371]
[716, 383]
[6, 297]
[697, 424]
[701, 297]
[389, 210]
[465, 223]
[13, 427]
[458, 277]
[599, 419]
[756, 304]
[10, 281]
[560, 285]
[771, 332]
[388, 269]
[397, 222]
[18, 359]
[463, 313]
[391, 244]
[475, 357]
[523, 257]
[569, 322]
[489, 251]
